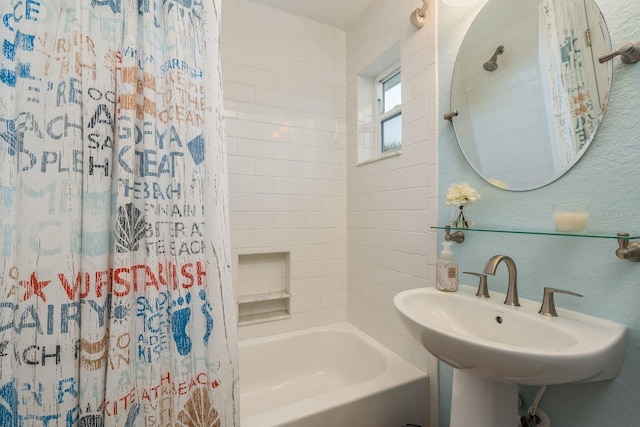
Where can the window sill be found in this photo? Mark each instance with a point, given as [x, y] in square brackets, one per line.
[380, 157]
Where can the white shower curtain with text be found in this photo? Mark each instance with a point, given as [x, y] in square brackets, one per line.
[116, 306]
[571, 113]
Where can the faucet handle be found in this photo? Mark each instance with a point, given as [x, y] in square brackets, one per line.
[483, 291]
[548, 306]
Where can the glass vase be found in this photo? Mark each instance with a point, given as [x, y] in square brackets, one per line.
[462, 216]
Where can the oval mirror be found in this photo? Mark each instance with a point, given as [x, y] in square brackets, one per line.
[529, 90]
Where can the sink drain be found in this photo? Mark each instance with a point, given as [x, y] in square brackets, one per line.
[499, 319]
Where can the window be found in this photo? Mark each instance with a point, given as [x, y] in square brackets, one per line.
[379, 103]
[389, 111]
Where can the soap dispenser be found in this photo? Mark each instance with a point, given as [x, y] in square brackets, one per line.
[447, 270]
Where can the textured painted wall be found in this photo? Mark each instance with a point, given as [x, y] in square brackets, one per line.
[607, 178]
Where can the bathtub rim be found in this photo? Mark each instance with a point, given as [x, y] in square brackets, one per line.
[398, 372]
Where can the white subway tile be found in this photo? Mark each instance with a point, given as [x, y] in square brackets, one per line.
[251, 287]
[255, 76]
[305, 303]
[239, 91]
[296, 322]
[321, 317]
[252, 220]
[415, 110]
[242, 202]
[320, 252]
[243, 238]
[288, 18]
[332, 267]
[305, 203]
[271, 97]
[289, 186]
[316, 285]
[242, 165]
[304, 70]
[321, 219]
[236, 18]
[232, 145]
[333, 204]
[234, 54]
[272, 167]
[306, 269]
[293, 48]
[249, 111]
[334, 235]
[290, 151]
[272, 28]
[255, 184]
[324, 187]
[255, 148]
[320, 28]
[306, 236]
[256, 42]
[272, 202]
[276, 237]
[292, 220]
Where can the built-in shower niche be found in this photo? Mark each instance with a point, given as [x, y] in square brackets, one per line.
[263, 287]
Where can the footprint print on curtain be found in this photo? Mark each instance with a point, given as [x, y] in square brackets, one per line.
[117, 307]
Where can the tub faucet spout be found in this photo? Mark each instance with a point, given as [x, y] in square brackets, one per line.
[512, 290]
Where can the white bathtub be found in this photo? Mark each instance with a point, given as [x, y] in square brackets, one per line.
[334, 376]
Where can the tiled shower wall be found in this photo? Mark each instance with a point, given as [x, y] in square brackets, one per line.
[284, 92]
[392, 201]
[290, 102]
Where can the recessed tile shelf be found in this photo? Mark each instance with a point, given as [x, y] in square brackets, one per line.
[263, 287]
[252, 319]
[263, 297]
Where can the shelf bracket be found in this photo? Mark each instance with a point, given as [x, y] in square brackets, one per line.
[627, 250]
[450, 115]
[456, 236]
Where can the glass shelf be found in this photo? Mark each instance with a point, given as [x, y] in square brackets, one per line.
[597, 235]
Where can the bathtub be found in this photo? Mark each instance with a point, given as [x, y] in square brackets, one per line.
[333, 376]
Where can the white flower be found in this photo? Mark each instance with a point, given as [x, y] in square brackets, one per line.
[498, 183]
[461, 194]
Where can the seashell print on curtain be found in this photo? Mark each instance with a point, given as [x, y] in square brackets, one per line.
[116, 306]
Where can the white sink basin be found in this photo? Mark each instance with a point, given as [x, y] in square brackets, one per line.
[516, 345]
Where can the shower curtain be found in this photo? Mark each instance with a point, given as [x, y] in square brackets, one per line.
[116, 306]
[571, 113]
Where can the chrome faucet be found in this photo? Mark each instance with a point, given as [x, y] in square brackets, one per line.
[512, 290]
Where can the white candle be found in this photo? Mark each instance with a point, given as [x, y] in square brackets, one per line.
[571, 221]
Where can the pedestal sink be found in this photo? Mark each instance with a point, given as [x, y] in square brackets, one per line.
[493, 347]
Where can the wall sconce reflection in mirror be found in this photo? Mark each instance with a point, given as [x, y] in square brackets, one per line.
[629, 53]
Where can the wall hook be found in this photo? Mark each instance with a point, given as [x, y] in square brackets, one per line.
[629, 53]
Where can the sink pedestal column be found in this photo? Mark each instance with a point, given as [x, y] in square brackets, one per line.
[479, 402]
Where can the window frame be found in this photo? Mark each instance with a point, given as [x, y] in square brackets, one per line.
[383, 117]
